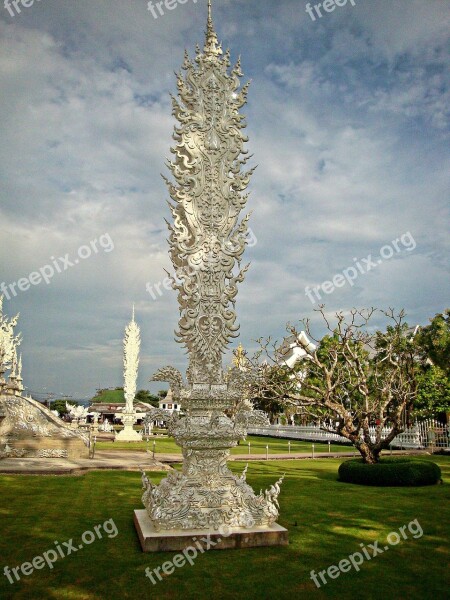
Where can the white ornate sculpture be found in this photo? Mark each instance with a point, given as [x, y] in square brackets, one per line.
[9, 342]
[95, 417]
[131, 347]
[77, 412]
[207, 241]
[106, 426]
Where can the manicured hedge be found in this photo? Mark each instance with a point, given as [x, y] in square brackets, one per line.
[398, 471]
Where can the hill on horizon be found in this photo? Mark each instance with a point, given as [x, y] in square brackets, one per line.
[108, 396]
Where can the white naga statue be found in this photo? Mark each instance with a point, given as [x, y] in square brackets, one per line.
[131, 348]
[207, 241]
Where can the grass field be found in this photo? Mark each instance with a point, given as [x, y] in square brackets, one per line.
[327, 522]
[110, 396]
[257, 446]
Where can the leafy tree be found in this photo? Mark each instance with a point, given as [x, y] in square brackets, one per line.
[162, 393]
[433, 393]
[354, 380]
[433, 372]
[146, 396]
[434, 341]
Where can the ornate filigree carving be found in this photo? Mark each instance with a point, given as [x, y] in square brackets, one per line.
[207, 495]
[206, 239]
[26, 420]
[52, 453]
[27, 415]
[160, 414]
[172, 376]
[8, 452]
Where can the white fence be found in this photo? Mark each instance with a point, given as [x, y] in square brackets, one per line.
[427, 434]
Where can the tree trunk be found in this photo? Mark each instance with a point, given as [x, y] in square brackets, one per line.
[369, 455]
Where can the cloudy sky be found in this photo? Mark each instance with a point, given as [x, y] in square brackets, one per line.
[348, 123]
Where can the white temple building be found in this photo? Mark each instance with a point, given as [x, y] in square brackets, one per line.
[168, 403]
[293, 349]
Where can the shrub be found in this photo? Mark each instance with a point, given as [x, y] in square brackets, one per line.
[400, 471]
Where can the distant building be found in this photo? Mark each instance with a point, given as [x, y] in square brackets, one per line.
[293, 349]
[168, 403]
[109, 410]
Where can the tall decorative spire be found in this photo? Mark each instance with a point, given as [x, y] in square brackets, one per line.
[131, 347]
[212, 47]
[19, 368]
[13, 372]
[9, 343]
[19, 375]
[240, 360]
[207, 241]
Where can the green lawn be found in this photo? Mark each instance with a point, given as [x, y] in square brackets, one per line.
[257, 446]
[327, 522]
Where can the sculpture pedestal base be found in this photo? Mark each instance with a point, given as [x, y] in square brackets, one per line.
[128, 435]
[177, 540]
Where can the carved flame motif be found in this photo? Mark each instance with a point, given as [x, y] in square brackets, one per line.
[206, 238]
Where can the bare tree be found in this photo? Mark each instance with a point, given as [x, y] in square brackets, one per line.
[356, 378]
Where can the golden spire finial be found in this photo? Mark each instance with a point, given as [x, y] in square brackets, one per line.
[212, 47]
[239, 359]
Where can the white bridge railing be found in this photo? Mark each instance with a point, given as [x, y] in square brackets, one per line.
[427, 434]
